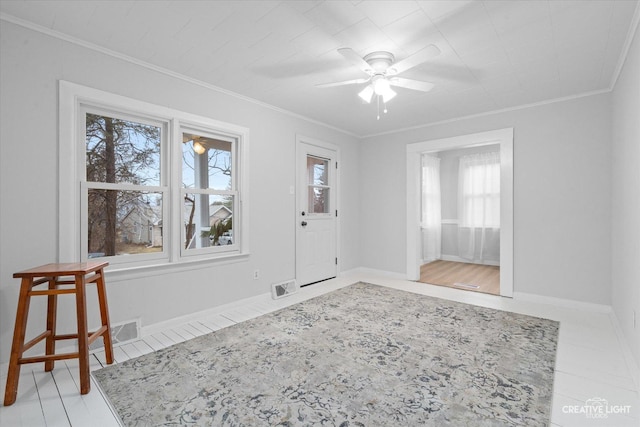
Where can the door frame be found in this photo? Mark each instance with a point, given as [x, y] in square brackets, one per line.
[414, 152]
[302, 139]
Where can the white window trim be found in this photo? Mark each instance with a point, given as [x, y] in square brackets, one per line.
[205, 252]
[71, 97]
[161, 187]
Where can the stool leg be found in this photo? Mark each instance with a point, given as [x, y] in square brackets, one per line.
[104, 316]
[52, 309]
[18, 341]
[83, 334]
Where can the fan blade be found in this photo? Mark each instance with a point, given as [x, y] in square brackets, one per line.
[411, 84]
[418, 58]
[351, 56]
[346, 82]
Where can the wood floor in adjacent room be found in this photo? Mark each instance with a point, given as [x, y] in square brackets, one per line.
[461, 275]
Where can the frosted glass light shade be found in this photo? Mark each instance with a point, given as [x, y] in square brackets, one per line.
[388, 95]
[366, 94]
[381, 86]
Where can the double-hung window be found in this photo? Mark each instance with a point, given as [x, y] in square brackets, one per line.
[124, 187]
[479, 190]
[209, 190]
[143, 185]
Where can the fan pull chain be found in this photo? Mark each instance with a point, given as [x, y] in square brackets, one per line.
[384, 106]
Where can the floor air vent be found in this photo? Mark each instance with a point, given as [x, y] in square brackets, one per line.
[279, 290]
[466, 285]
[120, 334]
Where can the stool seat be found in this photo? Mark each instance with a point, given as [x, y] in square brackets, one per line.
[65, 278]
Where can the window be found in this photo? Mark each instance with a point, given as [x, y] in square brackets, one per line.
[209, 190]
[124, 187]
[317, 184]
[479, 190]
[146, 185]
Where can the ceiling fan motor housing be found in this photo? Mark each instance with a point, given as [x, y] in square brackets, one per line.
[379, 61]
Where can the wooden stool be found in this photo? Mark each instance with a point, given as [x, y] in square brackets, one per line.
[83, 273]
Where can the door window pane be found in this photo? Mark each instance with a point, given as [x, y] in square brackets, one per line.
[122, 151]
[208, 220]
[318, 199]
[318, 185]
[123, 222]
[318, 170]
[206, 162]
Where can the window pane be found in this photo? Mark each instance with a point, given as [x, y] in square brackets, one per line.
[206, 162]
[120, 151]
[123, 223]
[208, 220]
[317, 171]
[318, 199]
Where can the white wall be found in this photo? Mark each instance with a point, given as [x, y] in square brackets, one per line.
[562, 187]
[31, 66]
[625, 254]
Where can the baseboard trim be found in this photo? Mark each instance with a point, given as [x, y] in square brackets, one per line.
[373, 271]
[154, 328]
[456, 258]
[632, 365]
[562, 302]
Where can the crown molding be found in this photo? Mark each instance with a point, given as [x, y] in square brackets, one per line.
[627, 45]
[74, 40]
[489, 113]
[92, 46]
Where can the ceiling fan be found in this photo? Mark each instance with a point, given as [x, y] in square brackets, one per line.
[383, 72]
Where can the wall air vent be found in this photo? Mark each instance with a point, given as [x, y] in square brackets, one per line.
[120, 333]
[279, 290]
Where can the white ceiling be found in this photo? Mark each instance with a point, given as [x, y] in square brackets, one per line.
[495, 54]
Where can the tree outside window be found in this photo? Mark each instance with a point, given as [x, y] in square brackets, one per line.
[123, 153]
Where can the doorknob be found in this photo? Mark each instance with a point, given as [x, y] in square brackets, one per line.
[303, 223]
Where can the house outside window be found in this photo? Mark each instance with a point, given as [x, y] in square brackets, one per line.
[145, 185]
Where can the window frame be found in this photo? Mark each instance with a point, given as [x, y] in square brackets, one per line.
[184, 252]
[313, 186]
[85, 185]
[74, 100]
[467, 198]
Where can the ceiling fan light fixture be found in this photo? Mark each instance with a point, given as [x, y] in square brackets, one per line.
[388, 95]
[367, 94]
[381, 86]
[382, 69]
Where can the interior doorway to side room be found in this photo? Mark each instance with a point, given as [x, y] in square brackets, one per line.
[460, 218]
[504, 139]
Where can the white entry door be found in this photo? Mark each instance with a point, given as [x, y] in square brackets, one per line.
[316, 239]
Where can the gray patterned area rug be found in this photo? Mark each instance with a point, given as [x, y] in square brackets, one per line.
[364, 355]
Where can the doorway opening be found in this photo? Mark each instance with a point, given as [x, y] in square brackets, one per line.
[460, 218]
[472, 231]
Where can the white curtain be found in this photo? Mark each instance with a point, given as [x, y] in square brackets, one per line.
[431, 209]
[478, 204]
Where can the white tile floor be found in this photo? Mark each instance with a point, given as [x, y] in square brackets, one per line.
[590, 362]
